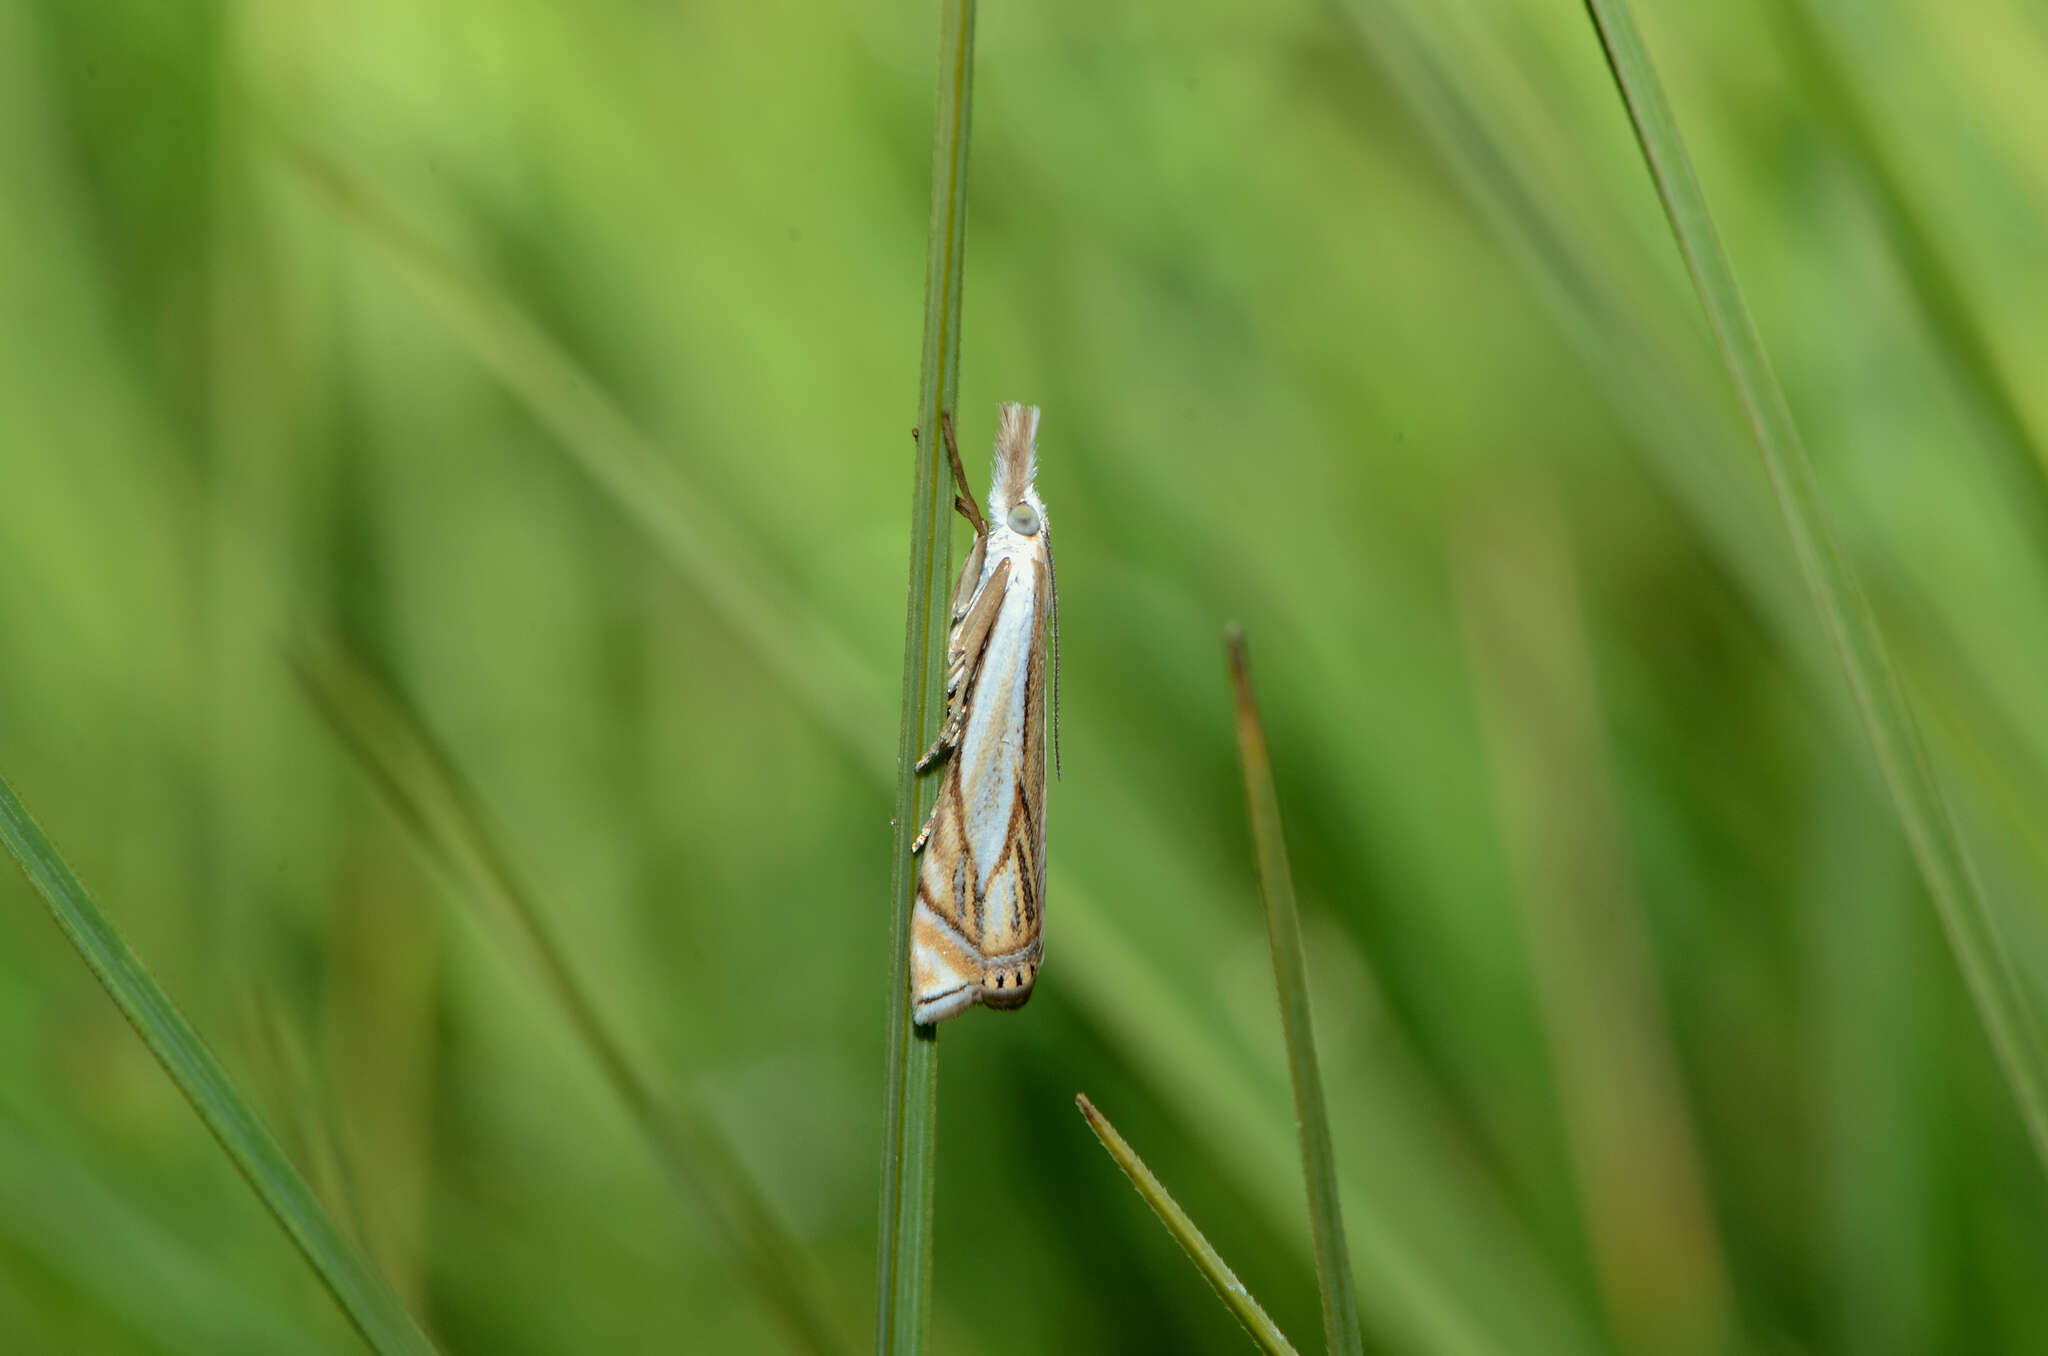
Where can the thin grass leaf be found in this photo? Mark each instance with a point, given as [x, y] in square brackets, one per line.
[1622, 351]
[623, 462]
[1972, 930]
[1214, 1270]
[910, 1111]
[1943, 299]
[1423, 1281]
[421, 782]
[1290, 979]
[362, 1294]
[1646, 378]
[1493, 149]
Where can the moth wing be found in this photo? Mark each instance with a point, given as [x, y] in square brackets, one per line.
[969, 580]
[968, 640]
[977, 924]
[1012, 910]
[945, 967]
[965, 644]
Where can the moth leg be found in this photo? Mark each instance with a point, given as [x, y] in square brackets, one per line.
[924, 834]
[963, 497]
[938, 748]
[964, 500]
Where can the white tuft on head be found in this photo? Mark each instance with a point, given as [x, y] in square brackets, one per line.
[1016, 459]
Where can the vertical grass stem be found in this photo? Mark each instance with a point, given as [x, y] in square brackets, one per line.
[904, 1267]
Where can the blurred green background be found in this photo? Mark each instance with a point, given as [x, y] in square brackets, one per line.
[560, 359]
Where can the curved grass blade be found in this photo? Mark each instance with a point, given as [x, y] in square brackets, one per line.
[362, 1294]
[1647, 378]
[903, 1278]
[1221, 1278]
[1945, 304]
[392, 742]
[678, 520]
[1290, 978]
[1972, 930]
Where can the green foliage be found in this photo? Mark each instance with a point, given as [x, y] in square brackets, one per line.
[1945, 868]
[362, 1294]
[408, 766]
[574, 380]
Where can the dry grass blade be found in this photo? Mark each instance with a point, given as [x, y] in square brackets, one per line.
[1972, 929]
[357, 1288]
[421, 783]
[1212, 1266]
[1290, 979]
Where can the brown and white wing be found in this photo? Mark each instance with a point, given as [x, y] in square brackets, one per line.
[1010, 841]
[945, 965]
[976, 925]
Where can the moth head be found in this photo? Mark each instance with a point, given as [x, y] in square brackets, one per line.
[1011, 500]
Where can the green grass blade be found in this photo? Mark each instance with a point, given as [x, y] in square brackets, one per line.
[356, 1287]
[1648, 381]
[422, 784]
[1199, 1250]
[1972, 930]
[910, 1110]
[1944, 301]
[1290, 978]
[677, 519]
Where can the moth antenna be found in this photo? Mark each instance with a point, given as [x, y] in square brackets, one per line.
[1052, 578]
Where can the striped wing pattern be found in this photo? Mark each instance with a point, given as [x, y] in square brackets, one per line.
[976, 927]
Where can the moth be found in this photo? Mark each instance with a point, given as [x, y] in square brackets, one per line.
[977, 928]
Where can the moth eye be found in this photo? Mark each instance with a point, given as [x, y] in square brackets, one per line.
[1024, 519]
